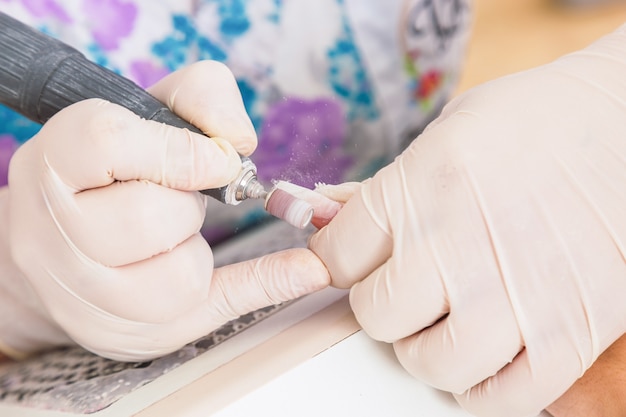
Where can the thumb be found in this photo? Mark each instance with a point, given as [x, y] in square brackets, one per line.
[271, 279]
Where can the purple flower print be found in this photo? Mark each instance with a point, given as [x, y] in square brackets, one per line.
[8, 146]
[301, 141]
[111, 21]
[47, 8]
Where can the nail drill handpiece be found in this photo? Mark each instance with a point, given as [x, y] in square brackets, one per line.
[40, 75]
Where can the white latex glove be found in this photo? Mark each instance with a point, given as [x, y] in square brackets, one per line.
[492, 251]
[104, 227]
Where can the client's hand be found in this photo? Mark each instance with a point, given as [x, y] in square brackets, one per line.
[601, 392]
[491, 253]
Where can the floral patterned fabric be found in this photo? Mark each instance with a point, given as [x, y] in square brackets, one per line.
[335, 88]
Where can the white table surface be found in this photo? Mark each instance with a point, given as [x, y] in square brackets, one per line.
[355, 377]
[348, 374]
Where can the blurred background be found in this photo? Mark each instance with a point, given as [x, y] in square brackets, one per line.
[513, 35]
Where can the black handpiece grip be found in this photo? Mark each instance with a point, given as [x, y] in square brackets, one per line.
[40, 75]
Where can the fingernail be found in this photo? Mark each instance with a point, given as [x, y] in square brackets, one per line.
[340, 193]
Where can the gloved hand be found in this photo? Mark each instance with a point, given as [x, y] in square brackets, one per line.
[103, 245]
[492, 251]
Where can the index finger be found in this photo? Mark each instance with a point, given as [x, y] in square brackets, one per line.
[354, 243]
[206, 95]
